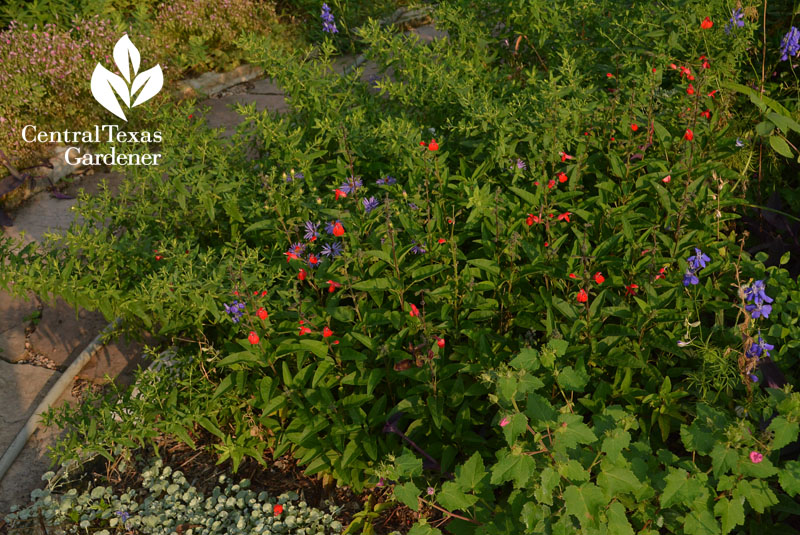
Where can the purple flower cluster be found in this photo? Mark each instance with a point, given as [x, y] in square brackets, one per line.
[351, 185]
[235, 310]
[332, 250]
[328, 22]
[293, 176]
[756, 294]
[311, 231]
[696, 263]
[790, 45]
[759, 349]
[369, 204]
[737, 20]
[386, 181]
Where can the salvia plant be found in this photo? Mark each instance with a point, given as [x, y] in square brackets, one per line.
[505, 276]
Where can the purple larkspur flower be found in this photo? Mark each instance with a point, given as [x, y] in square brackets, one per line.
[311, 231]
[328, 22]
[369, 204]
[690, 278]
[790, 45]
[737, 20]
[332, 250]
[235, 310]
[757, 293]
[418, 249]
[386, 181]
[351, 185]
[754, 377]
[759, 310]
[699, 260]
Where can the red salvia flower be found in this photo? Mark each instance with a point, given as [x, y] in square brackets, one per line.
[338, 229]
[326, 332]
[666, 179]
[551, 184]
[302, 275]
[565, 157]
[661, 273]
[706, 114]
[262, 314]
[414, 311]
[562, 177]
[313, 260]
[689, 135]
[433, 146]
[713, 93]
[573, 276]
[440, 342]
[564, 217]
[690, 90]
[631, 289]
[599, 278]
[278, 509]
[706, 24]
[530, 219]
[634, 127]
[304, 330]
[442, 240]
[289, 256]
[582, 296]
[333, 285]
[609, 75]
[339, 193]
[253, 338]
[421, 143]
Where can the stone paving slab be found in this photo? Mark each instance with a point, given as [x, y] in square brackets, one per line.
[15, 314]
[22, 387]
[61, 335]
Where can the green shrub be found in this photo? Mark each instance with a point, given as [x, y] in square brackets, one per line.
[486, 198]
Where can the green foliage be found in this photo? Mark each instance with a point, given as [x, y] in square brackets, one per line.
[538, 215]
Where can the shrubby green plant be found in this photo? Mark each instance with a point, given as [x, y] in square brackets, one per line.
[167, 503]
[349, 273]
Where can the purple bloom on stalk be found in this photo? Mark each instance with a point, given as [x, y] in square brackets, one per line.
[351, 185]
[756, 293]
[328, 22]
[790, 45]
[690, 278]
[413, 206]
[521, 165]
[386, 181]
[123, 516]
[369, 204]
[418, 249]
[332, 250]
[737, 19]
[759, 310]
[754, 378]
[699, 260]
[311, 231]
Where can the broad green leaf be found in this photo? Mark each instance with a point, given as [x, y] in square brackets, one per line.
[730, 512]
[789, 478]
[617, 440]
[618, 520]
[681, 488]
[780, 146]
[584, 503]
[570, 379]
[785, 432]
[470, 474]
[614, 480]
[701, 522]
[453, 498]
[408, 493]
[757, 493]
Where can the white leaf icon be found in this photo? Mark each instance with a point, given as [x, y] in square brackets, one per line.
[104, 84]
[126, 56]
[150, 81]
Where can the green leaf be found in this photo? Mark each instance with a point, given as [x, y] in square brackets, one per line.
[526, 196]
[789, 478]
[584, 503]
[730, 512]
[471, 474]
[350, 452]
[489, 266]
[614, 480]
[701, 522]
[571, 431]
[618, 520]
[453, 498]
[780, 146]
[408, 494]
[376, 284]
[681, 488]
[785, 432]
[617, 440]
[317, 347]
[569, 379]
[422, 528]
[408, 465]
[528, 359]
[512, 466]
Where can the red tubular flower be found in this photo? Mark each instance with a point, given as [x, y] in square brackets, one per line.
[253, 338]
[562, 177]
[304, 330]
[551, 184]
[338, 229]
[339, 193]
[433, 146]
[564, 217]
[333, 285]
[289, 256]
[599, 278]
[689, 135]
[442, 240]
[582, 296]
[421, 143]
[326, 332]
[631, 289]
[690, 90]
[706, 114]
[609, 75]
[278, 509]
[262, 314]
[302, 275]
[313, 260]
[673, 66]
[440, 342]
[666, 179]
[706, 24]
[264, 293]
[414, 311]
[573, 276]
[634, 127]
[529, 220]
[713, 93]
[661, 273]
[565, 157]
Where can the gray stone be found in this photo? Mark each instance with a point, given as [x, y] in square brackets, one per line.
[22, 387]
[15, 315]
[117, 360]
[223, 115]
[60, 336]
[211, 83]
[428, 33]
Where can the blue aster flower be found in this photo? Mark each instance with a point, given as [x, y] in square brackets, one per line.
[418, 249]
[332, 250]
[311, 231]
[369, 204]
[351, 185]
[386, 181]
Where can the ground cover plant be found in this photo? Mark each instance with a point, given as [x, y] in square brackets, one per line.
[505, 279]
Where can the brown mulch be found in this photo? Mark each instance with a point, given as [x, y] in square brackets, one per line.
[281, 475]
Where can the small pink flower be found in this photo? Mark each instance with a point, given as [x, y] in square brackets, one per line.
[505, 421]
[666, 179]
[756, 457]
